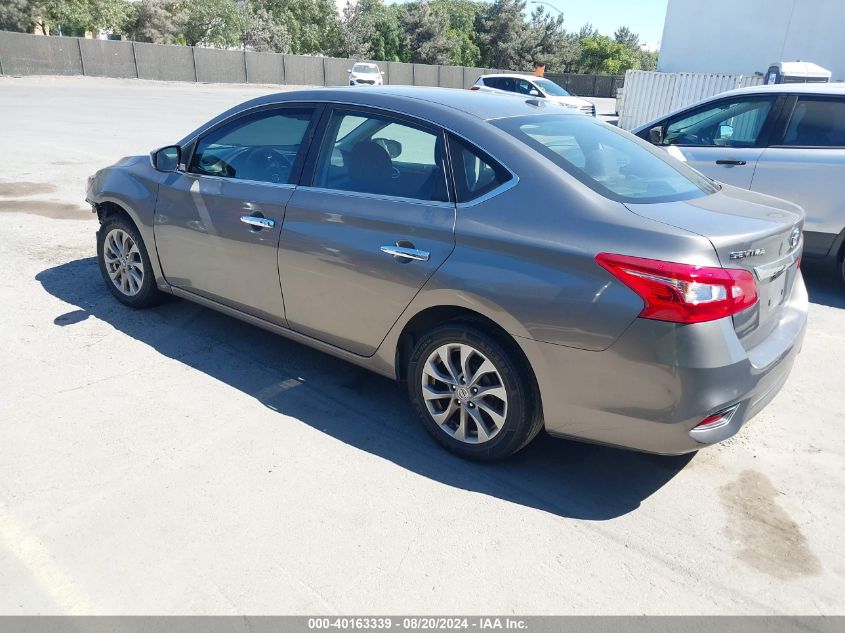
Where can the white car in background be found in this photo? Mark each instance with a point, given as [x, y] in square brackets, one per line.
[365, 74]
[784, 140]
[532, 86]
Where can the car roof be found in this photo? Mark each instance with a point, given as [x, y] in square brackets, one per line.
[442, 106]
[837, 88]
[477, 104]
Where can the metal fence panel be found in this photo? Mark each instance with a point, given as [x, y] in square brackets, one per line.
[264, 68]
[451, 77]
[165, 63]
[304, 70]
[218, 66]
[108, 58]
[399, 74]
[24, 54]
[425, 75]
[649, 95]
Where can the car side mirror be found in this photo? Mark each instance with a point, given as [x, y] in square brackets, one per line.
[349, 70]
[534, 93]
[166, 159]
[382, 72]
[393, 147]
[726, 131]
[655, 135]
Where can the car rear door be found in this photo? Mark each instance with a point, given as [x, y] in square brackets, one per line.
[371, 222]
[723, 139]
[805, 163]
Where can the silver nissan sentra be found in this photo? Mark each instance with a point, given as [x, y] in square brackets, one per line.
[518, 266]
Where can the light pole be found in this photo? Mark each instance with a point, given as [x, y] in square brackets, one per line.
[548, 4]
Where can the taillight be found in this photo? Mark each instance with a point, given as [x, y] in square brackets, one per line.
[473, 87]
[683, 293]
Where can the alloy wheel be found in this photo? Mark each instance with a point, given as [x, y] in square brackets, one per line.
[123, 262]
[464, 393]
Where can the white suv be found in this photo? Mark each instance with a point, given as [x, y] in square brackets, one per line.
[785, 140]
[365, 74]
[532, 86]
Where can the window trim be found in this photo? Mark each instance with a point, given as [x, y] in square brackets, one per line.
[309, 171]
[762, 138]
[791, 102]
[189, 150]
[511, 182]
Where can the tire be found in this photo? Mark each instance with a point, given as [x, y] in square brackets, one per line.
[125, 264]
[508, 423]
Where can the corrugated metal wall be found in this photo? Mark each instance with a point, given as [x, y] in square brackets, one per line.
[648, 95]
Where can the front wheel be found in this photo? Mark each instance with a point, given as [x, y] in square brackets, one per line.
[125, 264]
[475, 396]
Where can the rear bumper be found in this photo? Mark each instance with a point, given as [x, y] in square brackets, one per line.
[659, 380]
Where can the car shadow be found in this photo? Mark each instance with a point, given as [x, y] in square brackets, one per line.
[824, 285]
[362, 409]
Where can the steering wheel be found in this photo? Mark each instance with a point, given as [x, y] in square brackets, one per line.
[267, 165]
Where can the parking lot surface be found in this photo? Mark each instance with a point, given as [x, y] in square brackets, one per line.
[177, 461]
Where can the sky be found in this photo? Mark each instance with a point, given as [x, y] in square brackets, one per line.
[644, 17]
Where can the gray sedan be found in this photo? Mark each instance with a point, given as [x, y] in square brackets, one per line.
[518, 267]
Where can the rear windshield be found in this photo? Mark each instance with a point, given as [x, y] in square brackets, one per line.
[614, 163]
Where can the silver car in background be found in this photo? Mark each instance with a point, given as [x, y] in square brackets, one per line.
[785, 140]
[517, 265]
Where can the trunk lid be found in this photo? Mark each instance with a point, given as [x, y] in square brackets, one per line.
[749, 231]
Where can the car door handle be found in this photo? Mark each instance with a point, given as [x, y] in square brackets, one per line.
[729, 161]
[261, 223]
[407, 253]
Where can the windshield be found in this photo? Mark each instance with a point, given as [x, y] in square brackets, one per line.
[365, 68]
[613, 163]
[551, 88]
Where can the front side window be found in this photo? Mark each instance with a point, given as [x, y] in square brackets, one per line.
[735, 123]
[380, 155]
[261, 147]
[614, 163]
[475, 173]
[816, 123]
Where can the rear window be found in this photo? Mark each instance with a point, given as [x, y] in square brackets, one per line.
[613, 163]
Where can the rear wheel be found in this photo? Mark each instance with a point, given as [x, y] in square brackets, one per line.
[125, 264]
[475, 395]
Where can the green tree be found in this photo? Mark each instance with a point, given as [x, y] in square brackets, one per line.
[265, 33]
[462, 17]
[357, 30]
[625, 36]
[157, 21]
[600, 54]
[313, 26]
[505, 35]
[426, 33]
[219, 23]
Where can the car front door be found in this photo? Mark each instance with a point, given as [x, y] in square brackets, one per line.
[372, 225]
[805, 165]
[722, 140]
[217, 223]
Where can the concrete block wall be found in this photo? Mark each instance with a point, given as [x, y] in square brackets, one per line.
[25, 54]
